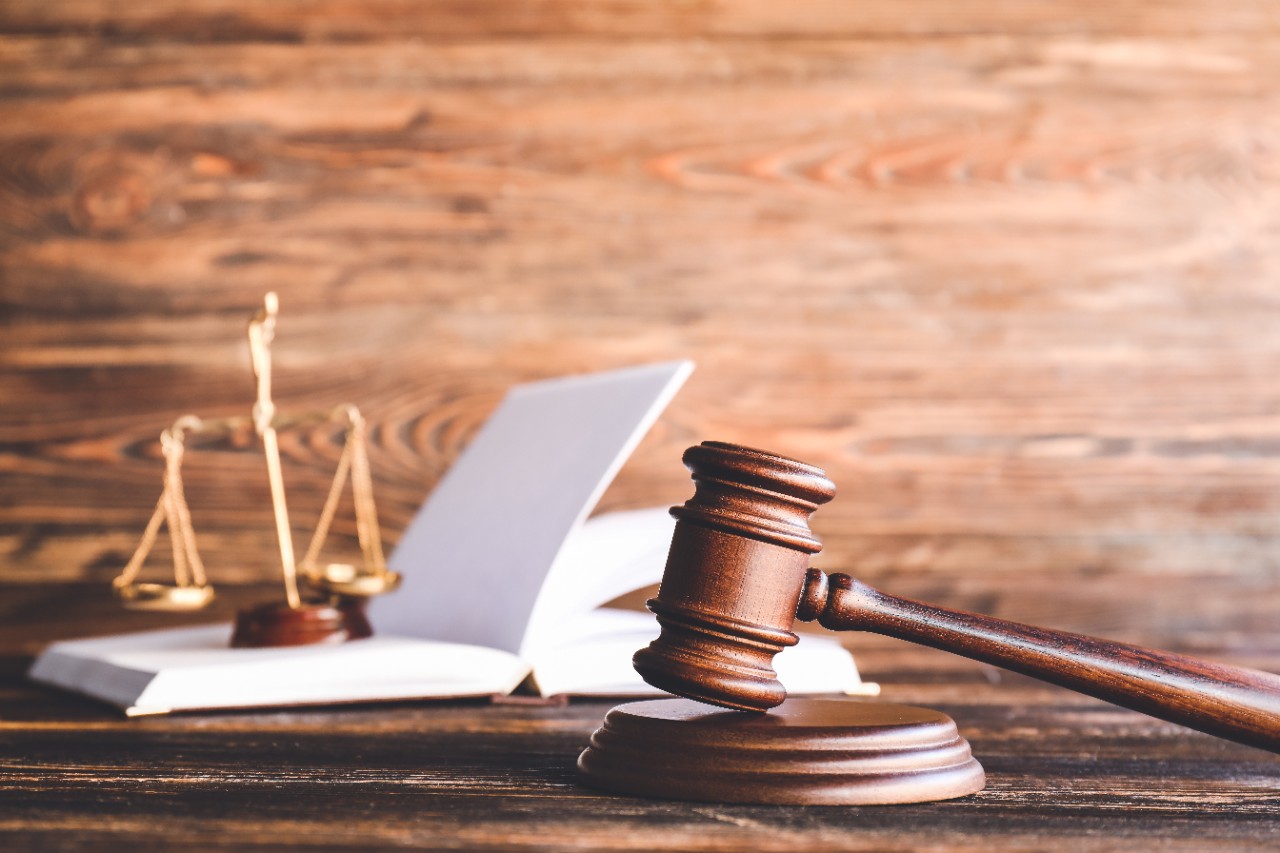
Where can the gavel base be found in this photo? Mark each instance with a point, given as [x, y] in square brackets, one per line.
[803, 752]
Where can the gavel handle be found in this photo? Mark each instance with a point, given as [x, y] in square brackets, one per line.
[1239, 704]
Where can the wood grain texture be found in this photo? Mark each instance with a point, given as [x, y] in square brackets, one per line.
[1006, 271]
[1064, 772]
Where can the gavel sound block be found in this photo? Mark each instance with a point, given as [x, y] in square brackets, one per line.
[737, 577]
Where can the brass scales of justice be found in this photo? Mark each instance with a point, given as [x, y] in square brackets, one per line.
[333, 608]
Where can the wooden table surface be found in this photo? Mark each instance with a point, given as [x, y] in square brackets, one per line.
[1064, 772]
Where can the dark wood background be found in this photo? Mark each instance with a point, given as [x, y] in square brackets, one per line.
[1009, 271]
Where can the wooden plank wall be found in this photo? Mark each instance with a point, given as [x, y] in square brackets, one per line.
[1007, 270]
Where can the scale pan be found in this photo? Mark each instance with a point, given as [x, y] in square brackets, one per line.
[159, 596]
[346, 579]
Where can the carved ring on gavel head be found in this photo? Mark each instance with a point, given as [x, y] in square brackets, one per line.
[738, 576]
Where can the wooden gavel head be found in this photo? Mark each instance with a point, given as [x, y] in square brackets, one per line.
[734, 576]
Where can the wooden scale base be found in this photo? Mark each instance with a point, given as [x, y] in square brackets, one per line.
[277, 624]
[829, 752]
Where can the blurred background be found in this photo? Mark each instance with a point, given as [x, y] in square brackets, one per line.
[1007, 270]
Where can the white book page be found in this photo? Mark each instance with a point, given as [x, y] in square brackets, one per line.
[477, 553]
[188, 668]
[821, 665]
[608, 556]
[592, 655]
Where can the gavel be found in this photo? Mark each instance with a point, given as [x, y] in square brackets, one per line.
[738, 575]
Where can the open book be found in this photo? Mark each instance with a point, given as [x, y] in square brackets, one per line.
[505, 579]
